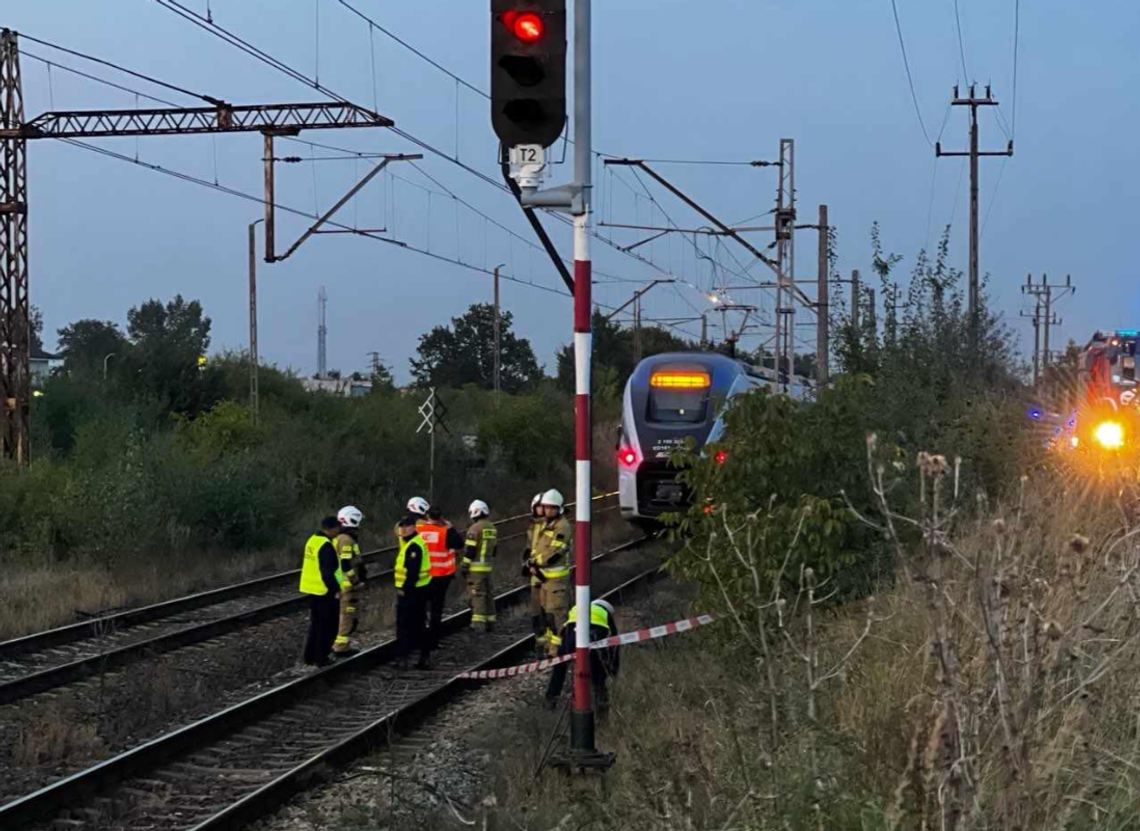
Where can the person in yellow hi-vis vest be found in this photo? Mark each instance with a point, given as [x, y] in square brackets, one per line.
[550, 562]
[320, 579]
[352, 568]
[478, 564]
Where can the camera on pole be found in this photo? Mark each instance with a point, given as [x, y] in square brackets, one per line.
[528, 71]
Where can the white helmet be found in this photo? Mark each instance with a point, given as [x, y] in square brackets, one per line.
[478, 508]
[605, 604]
[553, 498]
[350, 516]
[534, 502]
[418, 505]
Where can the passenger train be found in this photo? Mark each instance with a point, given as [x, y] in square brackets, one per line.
[670, 398]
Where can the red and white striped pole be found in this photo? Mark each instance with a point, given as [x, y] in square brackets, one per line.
[582, 715]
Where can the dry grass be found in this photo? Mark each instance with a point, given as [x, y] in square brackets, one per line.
[996, 686]
[35, 599]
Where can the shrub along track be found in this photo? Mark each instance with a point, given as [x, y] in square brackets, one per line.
[225, 770]
[47, 660]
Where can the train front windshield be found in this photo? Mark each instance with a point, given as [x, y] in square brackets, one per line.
[678, 397]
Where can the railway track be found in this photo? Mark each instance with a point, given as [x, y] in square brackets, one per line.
[227, 769]
[47, 660]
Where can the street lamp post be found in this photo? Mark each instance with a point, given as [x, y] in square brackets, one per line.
[105, 359]
[253, 359]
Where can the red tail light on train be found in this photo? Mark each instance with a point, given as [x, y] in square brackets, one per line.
[627, 456]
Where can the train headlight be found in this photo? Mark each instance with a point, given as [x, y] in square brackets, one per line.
[1109, 435]
[627, 456]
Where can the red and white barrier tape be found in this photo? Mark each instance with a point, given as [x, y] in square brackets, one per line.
[640, 635]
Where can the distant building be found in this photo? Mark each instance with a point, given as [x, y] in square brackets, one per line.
[345, 387]
[40, 365]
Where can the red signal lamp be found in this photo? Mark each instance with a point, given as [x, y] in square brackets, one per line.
[627, 457]
[721, 457]
[526, 26]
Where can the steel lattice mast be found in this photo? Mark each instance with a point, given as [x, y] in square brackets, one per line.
[221, 117]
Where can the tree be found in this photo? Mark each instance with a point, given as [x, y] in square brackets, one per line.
[36, 319]
[613, 349]
[85, 343]
[464, 353]
[168, 342]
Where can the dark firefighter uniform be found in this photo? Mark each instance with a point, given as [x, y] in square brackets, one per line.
[351, 586]
[478, 562]
[413, 579]
[551, 555]
[604, 663]
[443, 544]
[320, 579]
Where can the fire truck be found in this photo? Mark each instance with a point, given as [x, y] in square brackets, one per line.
[1108, 409]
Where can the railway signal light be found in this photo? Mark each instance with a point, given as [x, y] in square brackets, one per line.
[528, 71]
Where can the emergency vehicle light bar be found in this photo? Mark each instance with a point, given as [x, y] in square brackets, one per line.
[680, 380]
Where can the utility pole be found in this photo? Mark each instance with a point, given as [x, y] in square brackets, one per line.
[705, 331]
[1044, 318]
[973, 102]
[855, 301]
[217, 117]
[498, 346]
[322, 332]
[254, 403]
[823, 307]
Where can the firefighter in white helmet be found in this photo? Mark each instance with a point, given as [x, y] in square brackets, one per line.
[550, 562]
[478, 565]
[353, 575]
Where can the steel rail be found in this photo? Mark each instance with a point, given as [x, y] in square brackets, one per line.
[106, 661]
[84, 786]
[119, 621]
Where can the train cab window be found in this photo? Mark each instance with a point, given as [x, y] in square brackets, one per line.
[678, 397]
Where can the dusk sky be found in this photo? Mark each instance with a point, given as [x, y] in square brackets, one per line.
[713, 81]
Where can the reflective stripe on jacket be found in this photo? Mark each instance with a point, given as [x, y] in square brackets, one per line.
[423, 577]
[311, 581]
[552, 548]
[435, 538]
[348, 553]
[479, 547]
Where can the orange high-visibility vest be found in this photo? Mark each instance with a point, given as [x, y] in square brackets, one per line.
[435, 538]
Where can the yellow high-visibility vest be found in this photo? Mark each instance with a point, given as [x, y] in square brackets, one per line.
[598, 616]
[424, 577]
[311, 582]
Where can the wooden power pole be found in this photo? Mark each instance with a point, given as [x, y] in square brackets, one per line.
[973, 102]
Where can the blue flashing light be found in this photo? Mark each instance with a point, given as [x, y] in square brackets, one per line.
[1035, 414]
[1128, 333]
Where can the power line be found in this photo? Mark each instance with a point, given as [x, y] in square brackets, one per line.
[993, 197]
[25, 54]
[909, 77]
[139, 75]
[1016, 38]
[961, 44]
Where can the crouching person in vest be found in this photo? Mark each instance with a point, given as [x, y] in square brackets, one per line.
[412, 579]
[443, 544]
[604, 663]
[352, 582]
[478, 565]
[321, 579]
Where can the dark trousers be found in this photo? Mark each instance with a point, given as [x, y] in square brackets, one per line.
[324, 615]
[436, 599]
[599, 675]
[410, 620]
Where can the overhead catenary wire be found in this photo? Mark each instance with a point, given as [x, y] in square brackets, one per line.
[265, 57]
[1016, 39]
[92, 58]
